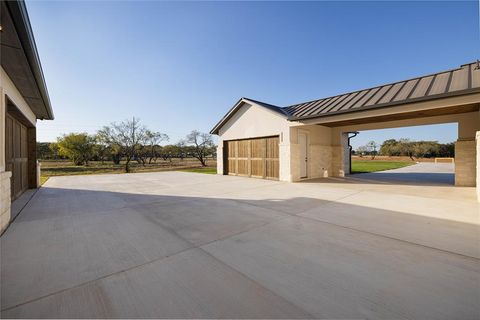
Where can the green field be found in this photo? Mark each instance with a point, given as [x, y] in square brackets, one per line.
[67, 168]
[364, 166]
[206, 170]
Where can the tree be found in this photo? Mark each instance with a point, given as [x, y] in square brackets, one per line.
[153, 139]
[169, 151]
[202, 145]
[362, 150]
[405, 147]
[447, 150]
[78, 147]
[101, 149]
[425, 149]
[53, 146]
[389, 148]
[43, 150]
[128, 135]
[372, 148]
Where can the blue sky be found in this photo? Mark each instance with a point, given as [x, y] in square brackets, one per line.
[180, 66]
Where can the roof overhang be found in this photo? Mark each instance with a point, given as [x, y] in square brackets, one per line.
[388, 106]
[419, 109]
[20, 60]
[239, 104]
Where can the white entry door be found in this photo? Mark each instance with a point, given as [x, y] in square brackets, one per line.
[302, 141]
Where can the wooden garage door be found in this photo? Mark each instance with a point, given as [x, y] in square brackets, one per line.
[16, 155]
[256, 158]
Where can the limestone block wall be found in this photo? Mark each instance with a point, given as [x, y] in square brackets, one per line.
[285, 161]
[294, 162]
[4, 199]
[338, 161]
[220, 157]
[465, 162]
[320, 161]
[319, 152]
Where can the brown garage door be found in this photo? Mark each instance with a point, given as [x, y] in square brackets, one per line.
[16, 155]
[256, 157]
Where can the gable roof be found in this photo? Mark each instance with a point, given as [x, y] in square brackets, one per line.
[239, 104]
[460, 81]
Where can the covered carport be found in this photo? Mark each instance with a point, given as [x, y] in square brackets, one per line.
[451, 96]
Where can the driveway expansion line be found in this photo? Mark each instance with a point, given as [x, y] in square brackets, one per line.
[199, 246]
[159, 259]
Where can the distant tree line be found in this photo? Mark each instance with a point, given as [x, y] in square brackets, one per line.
[409, 148]
[126, 141]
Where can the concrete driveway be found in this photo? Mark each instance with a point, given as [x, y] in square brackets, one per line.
[186, 245]
[422, 173]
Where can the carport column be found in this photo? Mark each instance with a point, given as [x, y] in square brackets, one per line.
[340, 154]
[4, 175]
[220, 157]
[466, 152]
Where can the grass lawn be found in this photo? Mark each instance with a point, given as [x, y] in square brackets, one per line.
[206, 170]
[67, 168]
[363, 166]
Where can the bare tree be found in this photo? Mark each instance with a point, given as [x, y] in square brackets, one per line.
[202, 145]
[154, 139]
[128, 134]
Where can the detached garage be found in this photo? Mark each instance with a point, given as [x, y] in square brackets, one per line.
[310, 140]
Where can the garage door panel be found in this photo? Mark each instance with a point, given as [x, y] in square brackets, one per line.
[232, 166]
[257, 148]
[256, 157]
[272, 169]
[16, 155]
[272, 148]
[243, 146]
[243, 167]
[257, 168]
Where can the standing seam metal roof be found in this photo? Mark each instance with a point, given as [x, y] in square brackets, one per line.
[460, 81]
[463, 80]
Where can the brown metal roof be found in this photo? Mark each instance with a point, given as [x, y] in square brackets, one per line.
[460, 81]
[463, 80]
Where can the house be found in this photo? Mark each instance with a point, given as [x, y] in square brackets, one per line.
[310, 139]
[23, 100]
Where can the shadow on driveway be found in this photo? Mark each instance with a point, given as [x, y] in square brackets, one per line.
[101, 254]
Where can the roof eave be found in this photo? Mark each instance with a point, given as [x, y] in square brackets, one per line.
[19, 14]
[389, 104]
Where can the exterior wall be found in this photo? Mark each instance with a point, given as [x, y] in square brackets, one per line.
[7, 88]
[14, 95]
[328, 153]
[466, 151]
[4, 199]
[252, 121]
[319, 152]
[465, 163]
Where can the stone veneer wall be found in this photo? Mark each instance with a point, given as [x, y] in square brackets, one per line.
[4, 199]
[319, 161]
[465, 163]
[337, 161]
